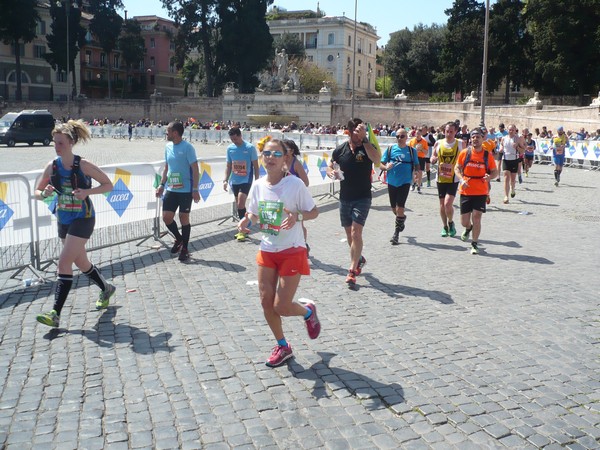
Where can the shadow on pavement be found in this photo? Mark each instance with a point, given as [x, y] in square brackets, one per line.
[379, 395]
[106, 334]
[398, 290]
[521, 258]
[411, 240]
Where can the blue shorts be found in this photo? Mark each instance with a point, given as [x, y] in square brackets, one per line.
[559, 160]
[354, 211]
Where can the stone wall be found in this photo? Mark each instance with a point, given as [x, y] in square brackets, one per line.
[319, 109]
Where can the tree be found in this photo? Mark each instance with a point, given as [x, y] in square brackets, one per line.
[565, 45]
[312, 77]
[293, 45]
[413, 58]
[18, 22]
[197, 22]
[462, 50]
[106, 26]
[132, 45]
[245, 43]
[57, 39]
[507, 34]
[191, 73]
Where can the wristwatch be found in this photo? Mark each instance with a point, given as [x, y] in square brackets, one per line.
[300, 217]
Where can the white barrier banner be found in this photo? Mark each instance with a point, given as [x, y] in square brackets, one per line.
[589, 150]
[15, 214]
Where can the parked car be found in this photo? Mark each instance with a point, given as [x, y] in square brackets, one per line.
[26, 126]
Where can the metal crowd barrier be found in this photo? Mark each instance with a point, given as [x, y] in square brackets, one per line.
[130, 212]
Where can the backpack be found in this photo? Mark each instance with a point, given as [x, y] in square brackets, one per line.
[78, 179]
[485, 161]
[383, 175]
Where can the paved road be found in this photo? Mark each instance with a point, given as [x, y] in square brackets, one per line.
[436, 349]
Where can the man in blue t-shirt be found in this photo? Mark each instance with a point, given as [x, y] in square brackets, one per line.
[241, 170]
[180, 178]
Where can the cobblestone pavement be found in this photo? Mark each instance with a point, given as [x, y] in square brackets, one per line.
[437, 348]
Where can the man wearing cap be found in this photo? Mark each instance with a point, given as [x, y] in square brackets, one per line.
[559, 144]
[474, 174]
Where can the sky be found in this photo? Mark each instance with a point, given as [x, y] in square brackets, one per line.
[387, 17]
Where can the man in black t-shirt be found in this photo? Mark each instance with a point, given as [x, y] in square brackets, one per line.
[352, 164]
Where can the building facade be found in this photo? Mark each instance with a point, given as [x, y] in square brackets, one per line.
[347, 53]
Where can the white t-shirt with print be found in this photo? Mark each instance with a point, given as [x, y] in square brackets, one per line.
[267, 202]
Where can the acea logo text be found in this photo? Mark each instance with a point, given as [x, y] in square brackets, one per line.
[5, 211]
[120, 197]
[206, 184]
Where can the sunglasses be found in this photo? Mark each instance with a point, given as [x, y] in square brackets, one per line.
[276, 153]
[402, 136]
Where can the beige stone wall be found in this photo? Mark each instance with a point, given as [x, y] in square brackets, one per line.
[320, 109]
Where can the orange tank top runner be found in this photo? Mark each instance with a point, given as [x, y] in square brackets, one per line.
[474, 170]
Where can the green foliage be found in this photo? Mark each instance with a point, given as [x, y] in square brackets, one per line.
[293, 45]
[312, 77]
[131, 43]
[191, 73]
[57, 39]
[18, 20]
[440, 98]
[384, 86]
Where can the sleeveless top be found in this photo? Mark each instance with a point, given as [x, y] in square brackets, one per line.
[447, 156]
[510, 147]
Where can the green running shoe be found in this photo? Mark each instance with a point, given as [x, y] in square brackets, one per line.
[452, 229]
[104, 297]
[444, 232]
[51, 319]
[465, 235]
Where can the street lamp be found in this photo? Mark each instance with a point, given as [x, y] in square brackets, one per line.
[67, 4]
[485, 57]
[353, 63]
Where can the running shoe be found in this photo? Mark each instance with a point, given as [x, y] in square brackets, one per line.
[413, 187]
[419, 189]
[176, 246]
[512, 194]
[51, 319]
[313, 325]
[556, 183]
[452, 229]
[351, 278]
[104, 297]
[520, 179]
[474, 248]
[429, 184]
[527, 174]
[279, 355]
[465, 235]
[241, 237]
[444, 232]
[394, 240]
[184, 255]
[505, 200]
[361, 263]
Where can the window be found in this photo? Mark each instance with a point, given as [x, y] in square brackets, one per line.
[116, 77]
[330, 39]
[88, 57]
[102, 59]
[349, 41]
[61, 77]
[116, 61]
[348, 79]
[172, 45]
[21, 50]
[88, 75]
[370, 48]
[359, 63]
[358, 81]
[172, 67]
[152, 43]
[152, 61]
[40, 28]
[12, 78]
[39, 51]
[330, 58]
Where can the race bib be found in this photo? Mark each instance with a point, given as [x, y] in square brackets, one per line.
[67, 201]
[240, 168]
[446, 170]
[175, 181]
[270, 216]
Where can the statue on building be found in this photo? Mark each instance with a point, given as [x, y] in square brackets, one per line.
[596, 101]
[401, 96]
[535, 101]
[471, 98]
[294, 78]
[281, 64]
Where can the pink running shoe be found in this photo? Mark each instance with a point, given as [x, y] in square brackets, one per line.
[313, 325]
[279, 355]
